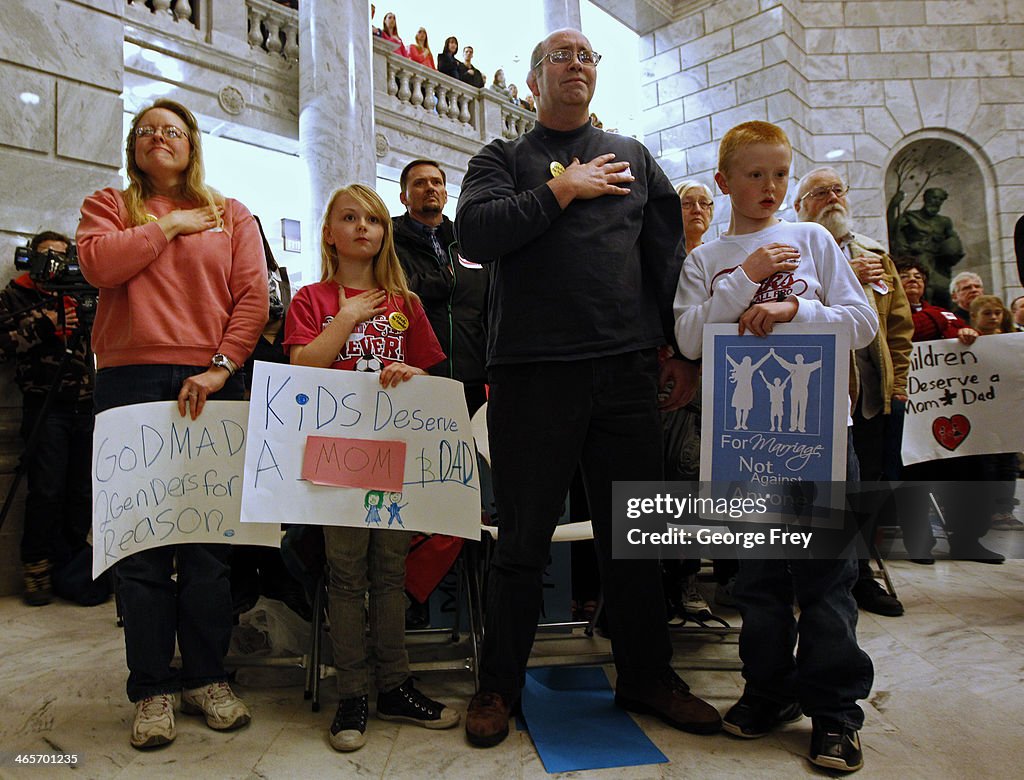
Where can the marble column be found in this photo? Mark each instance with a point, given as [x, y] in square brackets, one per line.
[562, 13]
[335, 103]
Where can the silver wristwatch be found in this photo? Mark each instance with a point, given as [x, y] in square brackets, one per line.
[221, 360]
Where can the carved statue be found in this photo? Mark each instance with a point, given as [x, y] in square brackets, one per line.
[930, 237]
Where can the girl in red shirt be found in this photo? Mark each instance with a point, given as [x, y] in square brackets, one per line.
[361, 316]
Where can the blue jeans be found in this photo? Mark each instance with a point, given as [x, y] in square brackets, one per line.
[362, 559]
[195, 608]
[829, 672]
[58, 507]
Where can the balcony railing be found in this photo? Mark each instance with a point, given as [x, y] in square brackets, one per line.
[266, 34]
[272, 27]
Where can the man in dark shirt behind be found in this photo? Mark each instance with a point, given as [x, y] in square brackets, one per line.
[583, 230]
[453, 289]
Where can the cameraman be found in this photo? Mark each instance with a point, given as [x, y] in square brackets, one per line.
[59, 503]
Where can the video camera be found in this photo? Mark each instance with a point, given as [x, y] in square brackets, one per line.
[59, 272]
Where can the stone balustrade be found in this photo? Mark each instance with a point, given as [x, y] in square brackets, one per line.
[256, 42]
[166, 11]
[274, 28]
[480, 114]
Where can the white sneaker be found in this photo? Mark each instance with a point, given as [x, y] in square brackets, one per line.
[223, 710]
[154, 722]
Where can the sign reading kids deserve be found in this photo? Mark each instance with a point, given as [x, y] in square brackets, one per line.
[964, 400]
[331, 447]
[159, 478]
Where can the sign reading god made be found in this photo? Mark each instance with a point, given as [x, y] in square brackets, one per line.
[159, 478]
[330, 447]
[964, 400]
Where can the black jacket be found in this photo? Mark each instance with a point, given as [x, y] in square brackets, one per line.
[454, 297]
[30, 340]
[597, 278]
[447, 64]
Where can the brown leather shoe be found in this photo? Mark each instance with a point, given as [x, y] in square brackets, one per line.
[667, 697]
[487, 719]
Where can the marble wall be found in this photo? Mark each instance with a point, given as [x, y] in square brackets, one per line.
[852, 83]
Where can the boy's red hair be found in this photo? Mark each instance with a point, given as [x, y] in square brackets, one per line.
[748, 134]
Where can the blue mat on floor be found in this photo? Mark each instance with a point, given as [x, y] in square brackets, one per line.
[574, 723]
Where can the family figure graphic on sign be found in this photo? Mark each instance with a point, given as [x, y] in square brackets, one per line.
[374, 500]
[798, 380]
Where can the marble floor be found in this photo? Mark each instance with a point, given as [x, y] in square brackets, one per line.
[948, 701]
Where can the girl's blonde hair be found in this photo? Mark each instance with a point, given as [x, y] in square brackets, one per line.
[194, 189]
[387, 271]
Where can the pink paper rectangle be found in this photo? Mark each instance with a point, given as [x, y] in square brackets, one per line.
[358, 463]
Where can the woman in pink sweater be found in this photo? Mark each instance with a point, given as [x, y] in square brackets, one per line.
[183, 299]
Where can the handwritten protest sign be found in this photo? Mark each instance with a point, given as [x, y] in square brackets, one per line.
[775, 412]
[333, 447]
[964, 400]
[159, 478]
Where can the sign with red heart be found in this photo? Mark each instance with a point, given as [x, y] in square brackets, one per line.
[950, 432]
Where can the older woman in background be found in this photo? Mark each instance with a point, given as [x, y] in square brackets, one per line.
[681, 432]
[968, 514]
[698, 205]
[183, 299]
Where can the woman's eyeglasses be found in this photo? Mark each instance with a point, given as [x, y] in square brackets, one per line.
[167, 131]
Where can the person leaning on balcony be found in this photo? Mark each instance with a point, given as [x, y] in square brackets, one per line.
[447, 62]
[471, 75]
[389, 32]
[585, 236]
[513, 95]
[499, 85]
[420, 51]
[183, 299]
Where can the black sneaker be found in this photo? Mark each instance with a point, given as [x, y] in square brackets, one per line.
[872, 597]
[38, 590]
[407, 704]
[835, 746]
[754, 716]
[348, 729]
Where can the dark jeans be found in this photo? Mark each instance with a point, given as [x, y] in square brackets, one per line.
[829, 672]
[544, 419]
[58, 508]
[195, 608]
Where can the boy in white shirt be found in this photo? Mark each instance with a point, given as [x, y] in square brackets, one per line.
[763, 271]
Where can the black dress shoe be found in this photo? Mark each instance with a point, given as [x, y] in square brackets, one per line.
[923, 561]
[754, 716]
[973, 550]
[836, 747]
[872, 597]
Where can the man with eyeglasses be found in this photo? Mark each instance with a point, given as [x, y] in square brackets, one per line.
[878, 372]
[583, 230]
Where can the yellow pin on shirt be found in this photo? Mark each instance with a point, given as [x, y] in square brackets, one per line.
[398, 321]
[556, 168]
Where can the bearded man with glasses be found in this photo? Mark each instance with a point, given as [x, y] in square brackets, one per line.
[878, 372]
[584, 233]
